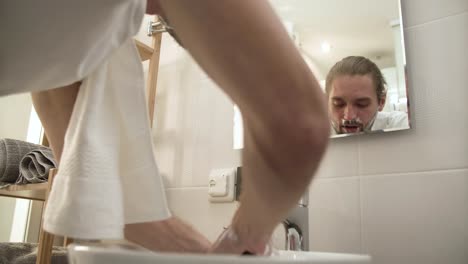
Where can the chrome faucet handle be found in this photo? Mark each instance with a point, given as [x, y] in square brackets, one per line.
[159, 26]
[304, 201]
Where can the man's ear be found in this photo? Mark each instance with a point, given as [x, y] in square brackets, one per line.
[382, 101]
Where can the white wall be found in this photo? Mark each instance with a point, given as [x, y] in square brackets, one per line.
[408, 190]
[14, 120]
[7, 207]
[14, 116]
[193, 134]
[400, 197]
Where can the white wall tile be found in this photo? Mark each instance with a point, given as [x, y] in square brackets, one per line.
[341, 159]
[416, 218]
[191, 205]
[437, 68]
[15, 111]
[193, 125]
[334, 215]
[416, 12]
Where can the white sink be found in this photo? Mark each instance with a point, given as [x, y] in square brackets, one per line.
[79, 254]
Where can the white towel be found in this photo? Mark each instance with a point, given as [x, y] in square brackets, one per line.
[108, 174]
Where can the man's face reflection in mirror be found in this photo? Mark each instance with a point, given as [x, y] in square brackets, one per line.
[356, 92]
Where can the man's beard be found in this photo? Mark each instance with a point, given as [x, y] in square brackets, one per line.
[353, 126]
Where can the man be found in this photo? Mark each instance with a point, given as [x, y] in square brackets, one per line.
[284, 111]
[356, 93]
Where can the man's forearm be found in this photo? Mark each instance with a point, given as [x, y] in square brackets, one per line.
[243, 46]
[54, 108]
[276, 172]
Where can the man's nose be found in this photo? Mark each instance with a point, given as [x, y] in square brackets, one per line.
[350, 113]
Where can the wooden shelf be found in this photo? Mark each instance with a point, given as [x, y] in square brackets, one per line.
[33, 191]
[145, 51]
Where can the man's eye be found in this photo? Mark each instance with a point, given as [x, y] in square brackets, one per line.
[338, 104]
[364, 105]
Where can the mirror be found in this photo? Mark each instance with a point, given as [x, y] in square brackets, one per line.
[359, 46]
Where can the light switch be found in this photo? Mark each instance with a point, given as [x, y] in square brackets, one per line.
[221, 185]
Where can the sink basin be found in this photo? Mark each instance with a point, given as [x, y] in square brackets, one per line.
[81, 254]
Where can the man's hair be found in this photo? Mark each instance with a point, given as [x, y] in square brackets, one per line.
[357, 65]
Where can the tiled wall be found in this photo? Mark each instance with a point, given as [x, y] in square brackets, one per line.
[401, 197]
[193, 134]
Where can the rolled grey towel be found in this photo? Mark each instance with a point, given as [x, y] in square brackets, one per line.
[38, 160]
[35, 166]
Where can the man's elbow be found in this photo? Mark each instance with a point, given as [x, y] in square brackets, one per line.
[302, 141]
[310, 137]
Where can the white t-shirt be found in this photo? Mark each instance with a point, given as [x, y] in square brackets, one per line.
[108, 174]
[52, 43]
[390, 120]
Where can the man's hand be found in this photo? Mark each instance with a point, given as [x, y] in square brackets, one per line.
[170, 235]
[230, 242]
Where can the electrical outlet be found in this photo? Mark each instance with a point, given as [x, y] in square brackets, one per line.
[222, 185]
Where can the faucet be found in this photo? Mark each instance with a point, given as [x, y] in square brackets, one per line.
[297, 225]
[294, 238]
